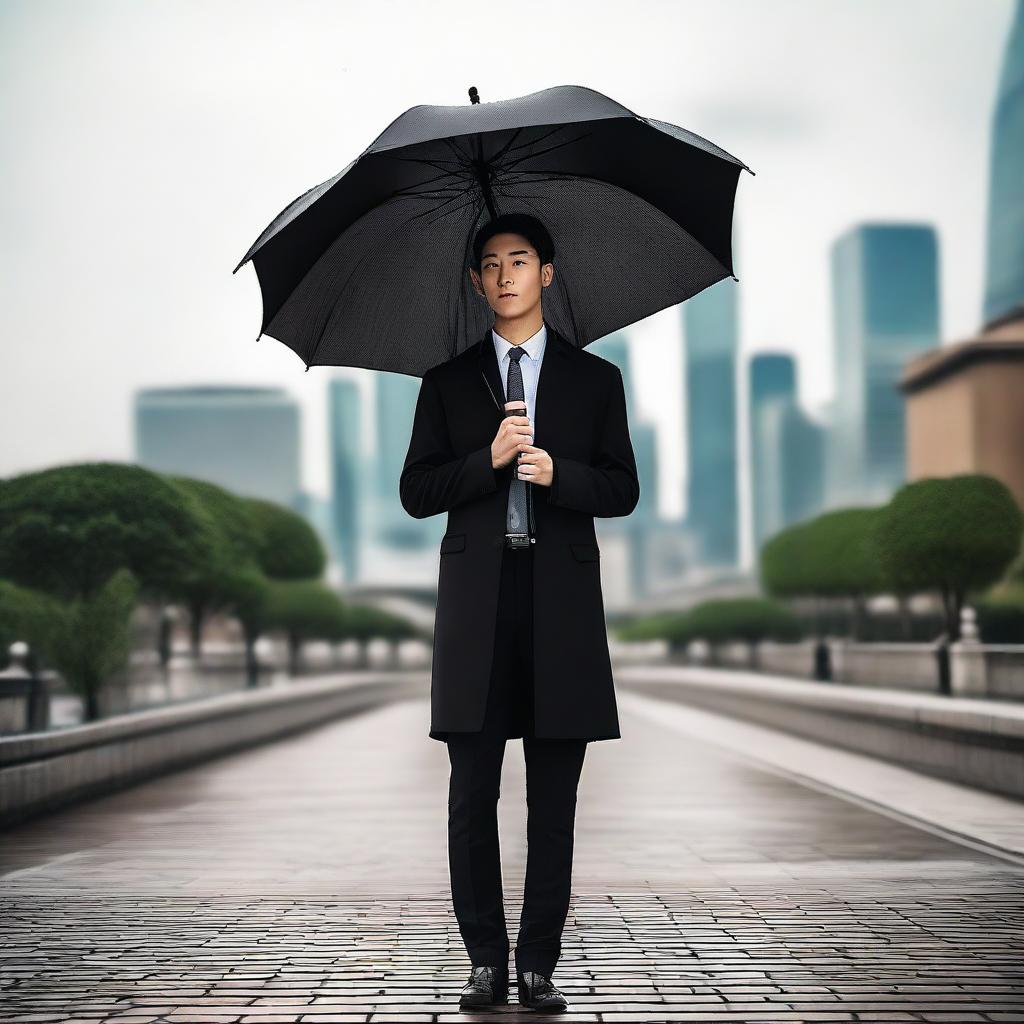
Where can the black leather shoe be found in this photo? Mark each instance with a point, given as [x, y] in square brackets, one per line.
[487, 986]
[536, 992]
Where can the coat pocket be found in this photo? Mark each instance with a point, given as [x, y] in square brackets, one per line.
[586, 552]
[452, 542]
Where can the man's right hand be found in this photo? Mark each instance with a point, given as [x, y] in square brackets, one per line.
[514, 434]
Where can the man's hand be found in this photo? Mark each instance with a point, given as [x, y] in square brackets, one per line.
[535, 466]
[513, 442]
[514, 434]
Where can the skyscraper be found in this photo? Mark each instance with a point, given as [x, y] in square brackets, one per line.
[1004, 278]
[886, 310]
[392, 526]
[789, 465]
[615, 348]
[346, 451]
[710, 320]
[245, 439]
[772, 376]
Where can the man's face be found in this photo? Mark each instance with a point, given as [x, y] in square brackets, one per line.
[511, 277]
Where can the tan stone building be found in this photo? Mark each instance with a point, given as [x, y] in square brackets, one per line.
[965, 407]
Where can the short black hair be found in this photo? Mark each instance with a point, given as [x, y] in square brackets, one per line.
[524, 224]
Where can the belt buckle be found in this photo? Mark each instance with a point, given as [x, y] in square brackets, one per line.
[517, 540]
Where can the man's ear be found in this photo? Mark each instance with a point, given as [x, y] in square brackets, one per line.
[547, 273]
[477, 283]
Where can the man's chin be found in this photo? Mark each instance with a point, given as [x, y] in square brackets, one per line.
[509, 310]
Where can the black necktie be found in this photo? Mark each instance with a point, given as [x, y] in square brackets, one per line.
[515, 520]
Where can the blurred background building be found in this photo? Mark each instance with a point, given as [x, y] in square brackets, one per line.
[965, 401]
[886, 308]
[245, 439]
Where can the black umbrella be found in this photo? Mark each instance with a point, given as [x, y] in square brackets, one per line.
[371, 267]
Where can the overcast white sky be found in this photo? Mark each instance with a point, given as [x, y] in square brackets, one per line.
[146, 145]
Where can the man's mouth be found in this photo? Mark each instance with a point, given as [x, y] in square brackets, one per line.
[507, 295]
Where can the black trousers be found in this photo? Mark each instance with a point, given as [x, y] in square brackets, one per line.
[553, 768]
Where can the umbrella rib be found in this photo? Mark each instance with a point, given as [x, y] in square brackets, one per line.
[428, 181]
[464, 157]
[518, 177]
[425, 213]
[508, 146]
[341, 290]
[550, 149]
[431, 162]
[532, 142]
[410, 193]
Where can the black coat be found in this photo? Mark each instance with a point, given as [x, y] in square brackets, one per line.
[581, 422]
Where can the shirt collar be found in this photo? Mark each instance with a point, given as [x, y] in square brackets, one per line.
[534, 345]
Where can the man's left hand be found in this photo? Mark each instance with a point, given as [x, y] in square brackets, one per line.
[535, 466]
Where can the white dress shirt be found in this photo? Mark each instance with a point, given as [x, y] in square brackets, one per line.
[533, 356]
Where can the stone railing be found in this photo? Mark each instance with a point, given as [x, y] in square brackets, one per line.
[975, 742]
[42, 771]
[975, 669]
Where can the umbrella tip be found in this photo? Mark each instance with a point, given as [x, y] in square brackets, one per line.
[474, 96]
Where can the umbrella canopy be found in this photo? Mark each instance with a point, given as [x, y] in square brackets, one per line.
[370, 268]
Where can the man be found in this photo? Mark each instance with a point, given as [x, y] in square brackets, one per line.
[520, 642]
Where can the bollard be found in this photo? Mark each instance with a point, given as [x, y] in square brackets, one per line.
[945, 686]
[18, 679]
[969, 625]
[822, 661]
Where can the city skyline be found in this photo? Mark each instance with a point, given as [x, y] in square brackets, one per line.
[88, 330]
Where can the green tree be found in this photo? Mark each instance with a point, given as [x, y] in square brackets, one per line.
[787, 564]
[304, 610]
[67, 529]
[94, 537]
[236, 553]
[288, 548]
[831, 556]
[248, 594]
[673, 627]
[850, 562]
[956, 535]
[90, 638]
[28, 615]
[364, 622]
[749, 619]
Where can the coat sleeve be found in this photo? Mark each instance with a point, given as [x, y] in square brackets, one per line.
[610, 487]
[433, 479]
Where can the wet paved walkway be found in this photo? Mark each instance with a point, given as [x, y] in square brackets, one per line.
[307, 881]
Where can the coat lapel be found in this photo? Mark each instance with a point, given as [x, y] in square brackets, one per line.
[489, 362]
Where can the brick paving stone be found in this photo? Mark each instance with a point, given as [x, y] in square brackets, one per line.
[281, 884]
